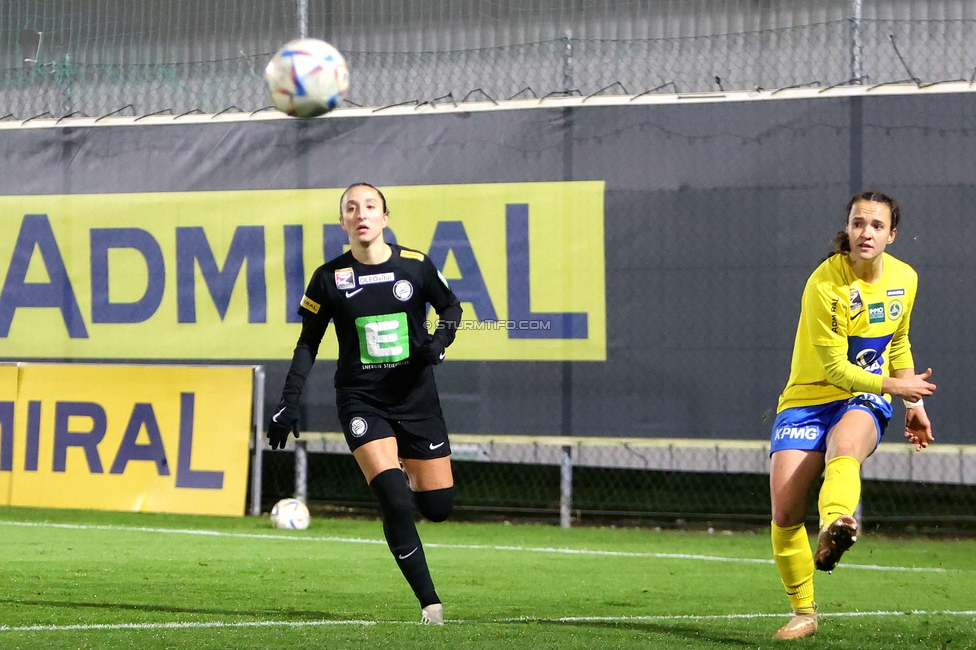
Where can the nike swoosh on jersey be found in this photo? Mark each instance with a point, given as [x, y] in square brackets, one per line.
[350, 294]
[437, 446]
[275, 417]
[404, 557]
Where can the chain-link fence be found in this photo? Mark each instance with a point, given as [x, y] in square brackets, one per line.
[95, 57]
[668, 482]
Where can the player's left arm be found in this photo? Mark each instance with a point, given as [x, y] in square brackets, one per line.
[448, 309]
[918, 428]
[901, 364]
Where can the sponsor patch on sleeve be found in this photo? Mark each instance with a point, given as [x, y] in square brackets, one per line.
[412, 255]
[345, 279]
[443, 279]
[311, 305]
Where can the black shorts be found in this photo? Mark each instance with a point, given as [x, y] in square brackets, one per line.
[420, 439]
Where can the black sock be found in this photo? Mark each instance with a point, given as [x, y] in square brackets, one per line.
[435, 505]
[396, 504]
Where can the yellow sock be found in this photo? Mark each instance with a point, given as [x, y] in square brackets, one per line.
[841, 489]
[794, 559]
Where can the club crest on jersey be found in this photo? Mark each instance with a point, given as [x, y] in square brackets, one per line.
[345, 279]
[357, 427]
[894, 309]
[402, 290]
[856, 302]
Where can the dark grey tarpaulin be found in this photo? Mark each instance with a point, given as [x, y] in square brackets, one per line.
[715, 214]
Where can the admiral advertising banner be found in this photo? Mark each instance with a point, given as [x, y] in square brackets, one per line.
[8, 400]
[135, 438]
[219, 275]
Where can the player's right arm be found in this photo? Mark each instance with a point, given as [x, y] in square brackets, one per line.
[315, 320]
[826, 313]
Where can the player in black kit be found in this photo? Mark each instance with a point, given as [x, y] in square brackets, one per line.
[377, 295]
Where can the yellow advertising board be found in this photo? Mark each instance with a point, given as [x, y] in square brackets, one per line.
[219, 275]
[133, 438]
[8, 400]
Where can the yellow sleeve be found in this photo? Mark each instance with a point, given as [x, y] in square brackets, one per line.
[900, 355]
[825, 313]
[845, 375]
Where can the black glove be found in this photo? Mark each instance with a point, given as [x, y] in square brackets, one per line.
[283, 421]
[433, 350]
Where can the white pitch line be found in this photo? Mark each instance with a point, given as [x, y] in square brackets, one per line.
[474, 547]
[725, 617]
[175, 626]
[521, 619]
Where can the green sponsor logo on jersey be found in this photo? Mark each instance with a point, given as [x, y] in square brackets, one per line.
[876, 312]
[383, 339]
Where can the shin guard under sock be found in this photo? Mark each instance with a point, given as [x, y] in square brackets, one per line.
[396, 504]
[794, 559]
[841, 489]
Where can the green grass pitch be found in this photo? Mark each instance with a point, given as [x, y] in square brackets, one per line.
[80, 579]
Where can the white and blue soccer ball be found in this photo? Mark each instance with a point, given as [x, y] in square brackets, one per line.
[290, 513]
[307, 78]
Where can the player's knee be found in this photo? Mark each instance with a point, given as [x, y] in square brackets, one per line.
[391, 490]
[435, 505]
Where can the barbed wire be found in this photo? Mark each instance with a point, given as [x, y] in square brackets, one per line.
[921, 52]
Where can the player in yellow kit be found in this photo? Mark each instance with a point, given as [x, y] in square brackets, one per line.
[850, 356]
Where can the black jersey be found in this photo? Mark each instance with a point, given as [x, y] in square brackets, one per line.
[379, 312]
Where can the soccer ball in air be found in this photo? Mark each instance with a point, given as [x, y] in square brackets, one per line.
[307, 78]
[290, 513]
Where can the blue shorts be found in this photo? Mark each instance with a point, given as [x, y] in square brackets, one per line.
[806, 427]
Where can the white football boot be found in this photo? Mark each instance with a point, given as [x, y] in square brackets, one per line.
[432, 614]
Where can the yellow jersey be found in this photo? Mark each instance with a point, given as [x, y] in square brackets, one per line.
[870, 321]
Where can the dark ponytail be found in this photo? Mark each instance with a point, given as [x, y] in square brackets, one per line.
[841, 242]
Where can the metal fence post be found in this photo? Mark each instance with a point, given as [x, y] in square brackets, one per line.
[568, 62]
[301, 471]
[857, 47]
[256, 464]
[566, 487]
[302, 10]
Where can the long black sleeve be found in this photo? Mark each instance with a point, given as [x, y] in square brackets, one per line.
[448, 319]
[444, 302]
[303, 358]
